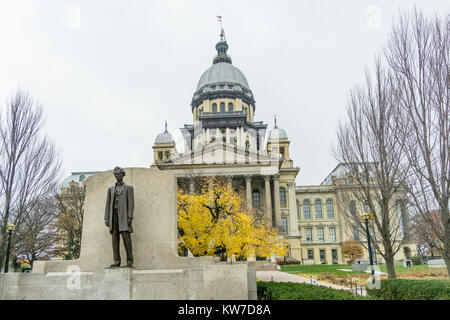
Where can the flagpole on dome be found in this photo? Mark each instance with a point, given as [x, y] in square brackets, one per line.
[222, 32]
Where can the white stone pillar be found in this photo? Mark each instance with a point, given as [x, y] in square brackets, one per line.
[191, 186]
[293, 220]
[230, 181]
[268, 198]
[276, 199]
[248, 189]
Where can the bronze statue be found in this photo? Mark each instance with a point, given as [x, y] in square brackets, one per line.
[119, 216]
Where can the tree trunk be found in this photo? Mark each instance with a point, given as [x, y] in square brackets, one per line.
[446, 255]
[390, 267]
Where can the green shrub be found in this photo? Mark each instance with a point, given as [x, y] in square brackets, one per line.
[25, 266]
[416, 260]
[287, 261]
[300, 291]
[408, 289]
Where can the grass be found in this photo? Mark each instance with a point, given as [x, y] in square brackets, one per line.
[317, 269]
[331, 274]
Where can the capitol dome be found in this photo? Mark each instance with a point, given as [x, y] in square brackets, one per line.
[222, 80]
[222, 72]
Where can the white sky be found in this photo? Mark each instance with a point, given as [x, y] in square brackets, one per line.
[110, 72]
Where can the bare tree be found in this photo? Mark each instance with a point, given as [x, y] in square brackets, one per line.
[70, 222]
[372, 157]
[36, 235]
[29, 166]
[428, 229]
[419, 55]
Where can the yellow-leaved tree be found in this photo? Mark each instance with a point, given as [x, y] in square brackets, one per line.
[216, 220]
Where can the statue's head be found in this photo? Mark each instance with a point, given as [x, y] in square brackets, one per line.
[119, 173]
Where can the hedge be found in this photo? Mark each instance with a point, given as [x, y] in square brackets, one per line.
[301, 291]
[408, 289]
[286, 261]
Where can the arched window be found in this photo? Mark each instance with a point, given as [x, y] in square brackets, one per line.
[222, 107]
[214, 107]
[256, 198]
[283, 197]
[330, 209]
[318, 208]
[306, 210]
[353, 208]
[230, 107]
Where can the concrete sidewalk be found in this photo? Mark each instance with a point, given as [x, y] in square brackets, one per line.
[279, 276]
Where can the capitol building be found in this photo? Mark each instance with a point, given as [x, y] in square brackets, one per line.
[225, 139]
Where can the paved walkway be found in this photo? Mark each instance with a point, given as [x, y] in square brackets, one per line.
[280, 276]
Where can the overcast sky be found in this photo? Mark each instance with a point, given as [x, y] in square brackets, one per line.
[108, 73]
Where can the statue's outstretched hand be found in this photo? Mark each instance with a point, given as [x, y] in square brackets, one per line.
[106, 223]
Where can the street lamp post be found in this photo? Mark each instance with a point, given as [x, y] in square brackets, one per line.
[366, 218]
[8, 249]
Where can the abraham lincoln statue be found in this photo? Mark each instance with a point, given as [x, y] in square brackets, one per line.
[119, 216]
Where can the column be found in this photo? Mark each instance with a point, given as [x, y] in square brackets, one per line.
[248, 189]
[268, 198]
[230, 181]
[293, 221]
[276, 199]
[191, 186]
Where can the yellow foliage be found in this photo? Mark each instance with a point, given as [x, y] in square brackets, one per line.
[217, 218]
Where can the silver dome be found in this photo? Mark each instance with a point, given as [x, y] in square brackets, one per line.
[222, 72]
[278, 133]
[164, 137]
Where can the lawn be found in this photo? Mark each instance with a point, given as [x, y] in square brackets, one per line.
[318, 269]
[333, 268]
[331, 274]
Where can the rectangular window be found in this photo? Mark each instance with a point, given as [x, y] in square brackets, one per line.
[333, 234]
[322, 255]
[355, 233]
[374, 256]
[318, 209]
[398, 204]
[308, 234]
[284, 224]
[310, 254]
[320, 234]
[372, 232]
[306, 210]
[330, 209]
[334, 255]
